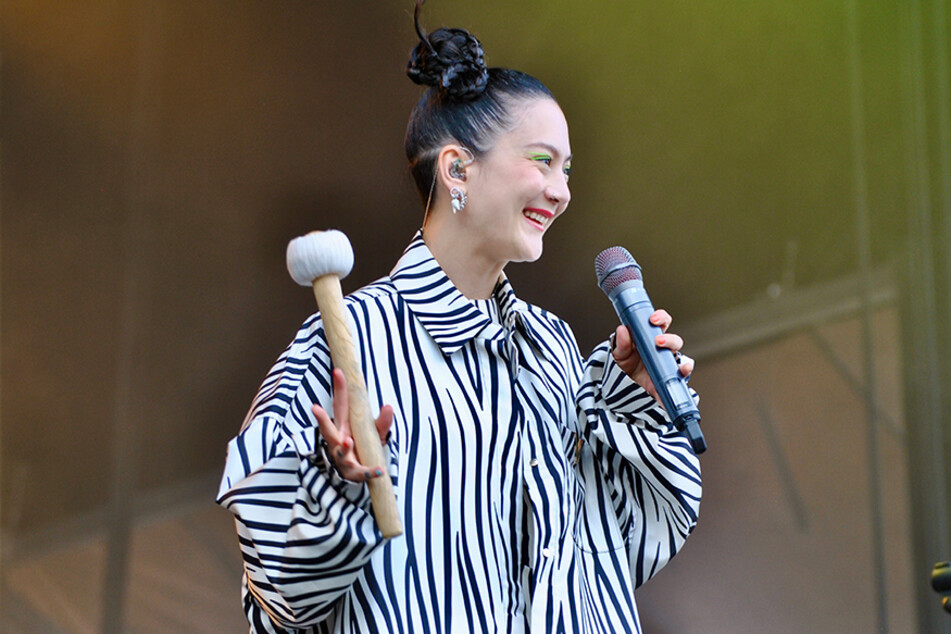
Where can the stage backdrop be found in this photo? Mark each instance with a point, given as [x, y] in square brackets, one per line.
[157, 156]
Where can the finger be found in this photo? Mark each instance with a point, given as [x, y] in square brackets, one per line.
[670, 341]
[341, 402]
[662, 318]
[625, 353]
[383, 422]
[350, 468]
[623, 345]
[328, 430]
[687, 365]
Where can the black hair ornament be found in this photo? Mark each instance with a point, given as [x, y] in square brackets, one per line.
[461, 74]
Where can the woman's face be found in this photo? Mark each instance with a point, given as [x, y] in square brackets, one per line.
[520, 185]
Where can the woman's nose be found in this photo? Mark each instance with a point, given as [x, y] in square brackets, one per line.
[558, 194]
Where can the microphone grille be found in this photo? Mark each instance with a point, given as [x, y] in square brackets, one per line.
[615, 266]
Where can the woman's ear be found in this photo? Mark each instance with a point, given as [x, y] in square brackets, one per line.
[452, 165]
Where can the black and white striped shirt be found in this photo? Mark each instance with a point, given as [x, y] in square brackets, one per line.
[536, 491]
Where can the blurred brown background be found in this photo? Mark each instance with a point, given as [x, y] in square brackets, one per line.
[782, 171]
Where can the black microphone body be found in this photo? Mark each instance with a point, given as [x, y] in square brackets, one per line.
[619, 276]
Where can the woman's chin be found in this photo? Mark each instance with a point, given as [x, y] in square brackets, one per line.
[531, 253]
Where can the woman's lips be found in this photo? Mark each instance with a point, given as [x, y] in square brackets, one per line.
[540, 217]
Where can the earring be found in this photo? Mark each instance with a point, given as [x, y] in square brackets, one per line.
[459, 199]
[458, 170]
[458, 167]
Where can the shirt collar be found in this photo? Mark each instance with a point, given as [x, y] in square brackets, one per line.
[449, 317]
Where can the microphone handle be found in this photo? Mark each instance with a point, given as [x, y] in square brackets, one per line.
[634, 308]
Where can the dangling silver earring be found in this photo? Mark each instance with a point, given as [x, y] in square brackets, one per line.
[459, 199]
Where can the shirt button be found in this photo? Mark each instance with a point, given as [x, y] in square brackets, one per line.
[546, 552]
[534, 462]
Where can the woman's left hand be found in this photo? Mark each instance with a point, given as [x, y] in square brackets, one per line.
[625, 352]
[338, 437]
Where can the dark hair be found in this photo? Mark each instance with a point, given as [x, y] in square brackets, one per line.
[467, 103]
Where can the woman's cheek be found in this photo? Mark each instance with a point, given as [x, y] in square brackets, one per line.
[535, 180]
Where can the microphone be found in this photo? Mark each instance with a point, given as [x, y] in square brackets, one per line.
[619, 276]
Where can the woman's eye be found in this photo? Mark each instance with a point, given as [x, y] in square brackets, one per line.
[543, 158]
[568, 171]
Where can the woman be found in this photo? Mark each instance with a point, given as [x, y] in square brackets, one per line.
[536, 489]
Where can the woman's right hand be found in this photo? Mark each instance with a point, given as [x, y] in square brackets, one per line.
[337, 434]
[625, 353]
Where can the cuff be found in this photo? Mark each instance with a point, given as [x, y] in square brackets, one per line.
[621, 393]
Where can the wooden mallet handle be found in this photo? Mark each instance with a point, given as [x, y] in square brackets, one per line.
[320, 259]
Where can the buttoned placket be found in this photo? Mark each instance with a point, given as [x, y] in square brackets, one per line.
[511, 355]
[539, 565]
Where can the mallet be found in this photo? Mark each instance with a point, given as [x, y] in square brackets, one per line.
[320, 259]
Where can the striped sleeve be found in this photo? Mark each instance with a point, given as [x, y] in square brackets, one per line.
[304, 532]
[651, 471]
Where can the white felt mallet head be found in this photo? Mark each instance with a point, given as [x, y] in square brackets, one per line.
[317, 254]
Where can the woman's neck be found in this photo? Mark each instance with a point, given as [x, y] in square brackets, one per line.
[475, 276]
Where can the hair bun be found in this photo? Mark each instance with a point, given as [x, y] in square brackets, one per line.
[452, 61]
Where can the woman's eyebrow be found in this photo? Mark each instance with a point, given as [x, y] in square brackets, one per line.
[550, 148]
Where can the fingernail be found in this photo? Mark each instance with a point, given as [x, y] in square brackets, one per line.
[661, 341]
[379, 472]
[339, 453]
[367, 475]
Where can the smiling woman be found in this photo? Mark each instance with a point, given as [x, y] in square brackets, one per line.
[537, 490]
[514, 191]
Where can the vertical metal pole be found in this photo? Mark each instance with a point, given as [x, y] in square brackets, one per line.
[922, 349]
[868, 347]
[1, 415]
[942, 83]
[942, 86]
[136, 272]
